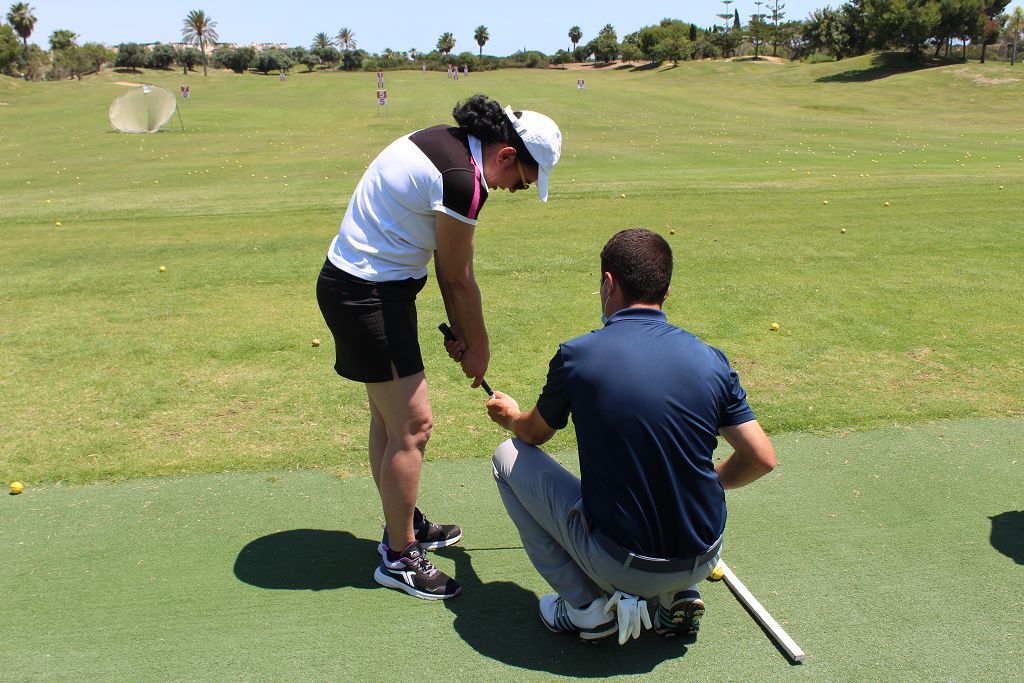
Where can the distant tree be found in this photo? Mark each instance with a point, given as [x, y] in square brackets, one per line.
[649, 37]
[823, 32]
[994, 21]
[672, 48]
[71, 61]
[957, 19]
[902, 24]
[22, 20]
[346, 39]
[327, 55]
[96, 56]
[239, 59]
[199, 29]
[300, 55]
[320, 42]
[188, 58]
[9, 48]
[606, 45]
[775, 36]
[852, 17]
[736, 20]
[758, 30]
[131, 56]
[693, 32]
[630, 52]
[446, 43]
[33, 62]
[160, 57]
[575, 34]
[481, 36]
[353, 59]
[1015, 32]
[725, 40]
[62, 39]
[272, 60]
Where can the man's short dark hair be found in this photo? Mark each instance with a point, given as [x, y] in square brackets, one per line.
[641, 262]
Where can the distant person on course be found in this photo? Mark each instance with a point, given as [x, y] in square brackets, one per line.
[420, 198]
[643, 524]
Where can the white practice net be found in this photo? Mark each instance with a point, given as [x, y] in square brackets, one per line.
[143, 109]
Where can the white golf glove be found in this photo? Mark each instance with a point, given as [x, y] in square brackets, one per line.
[631, 612]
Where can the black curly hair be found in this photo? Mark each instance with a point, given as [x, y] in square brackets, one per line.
[485, 119]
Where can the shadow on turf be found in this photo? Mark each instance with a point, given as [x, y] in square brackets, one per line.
[499, 620]
[306, 559]
[1008, 534]
[887, 64]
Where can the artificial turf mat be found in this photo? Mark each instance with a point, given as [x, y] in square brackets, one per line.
[896, 554]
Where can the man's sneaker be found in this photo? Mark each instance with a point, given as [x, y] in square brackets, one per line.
[414, 574]
[430, 536]
[682, 617]
[591, 622]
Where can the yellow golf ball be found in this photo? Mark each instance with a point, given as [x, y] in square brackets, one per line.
[163, 269]
[716, 573]
[775, 327]
[17, 487]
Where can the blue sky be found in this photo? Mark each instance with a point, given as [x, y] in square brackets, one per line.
[398, 24]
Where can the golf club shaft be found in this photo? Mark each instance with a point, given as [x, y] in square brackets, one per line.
[757, 610]
[450, 336]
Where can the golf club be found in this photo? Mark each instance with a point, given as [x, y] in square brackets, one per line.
[450, 336]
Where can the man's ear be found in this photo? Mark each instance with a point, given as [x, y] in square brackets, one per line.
[667, 292]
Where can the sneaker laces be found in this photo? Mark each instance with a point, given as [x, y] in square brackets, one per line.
[424, 564]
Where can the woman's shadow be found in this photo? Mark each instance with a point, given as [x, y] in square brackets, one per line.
[500, 620]
[305, 559]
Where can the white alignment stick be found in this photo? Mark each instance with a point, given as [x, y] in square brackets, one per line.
[766, 620]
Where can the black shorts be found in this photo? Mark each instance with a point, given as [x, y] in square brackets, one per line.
[373, 323]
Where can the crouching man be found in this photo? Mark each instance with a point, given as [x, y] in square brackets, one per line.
[648, 400]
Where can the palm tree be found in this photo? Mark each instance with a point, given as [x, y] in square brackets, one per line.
[21, 20]
[575, 35]
[481, 36]
[199, 29]
[321, 41]
[446, 43]
[346, 39]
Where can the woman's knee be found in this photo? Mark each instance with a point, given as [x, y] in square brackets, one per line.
[418, 429]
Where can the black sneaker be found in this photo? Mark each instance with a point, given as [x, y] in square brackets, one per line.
[433, 536]
[430, 536]
[414, 574]
[682, 617]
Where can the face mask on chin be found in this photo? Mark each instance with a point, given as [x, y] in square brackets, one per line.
[604, 318]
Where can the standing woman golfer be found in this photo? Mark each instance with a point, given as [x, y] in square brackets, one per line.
[420, 198]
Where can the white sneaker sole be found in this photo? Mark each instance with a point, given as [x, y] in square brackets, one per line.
[435, 545]
[389, 582]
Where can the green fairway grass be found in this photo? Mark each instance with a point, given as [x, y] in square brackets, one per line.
[893, 554]
[112, 369]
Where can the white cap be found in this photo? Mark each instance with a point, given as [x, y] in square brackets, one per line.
[542, 139]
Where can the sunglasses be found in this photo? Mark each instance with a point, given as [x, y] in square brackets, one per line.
[523, 185]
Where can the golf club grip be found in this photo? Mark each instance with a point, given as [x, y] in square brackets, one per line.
[450, 336]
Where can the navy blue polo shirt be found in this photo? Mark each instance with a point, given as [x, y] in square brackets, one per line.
[647, 400]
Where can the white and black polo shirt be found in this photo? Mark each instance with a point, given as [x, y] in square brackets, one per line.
[387, 233]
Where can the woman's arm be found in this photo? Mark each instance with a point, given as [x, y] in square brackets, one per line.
[453, 265]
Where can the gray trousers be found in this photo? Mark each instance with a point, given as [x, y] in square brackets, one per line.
[545, 503]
